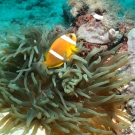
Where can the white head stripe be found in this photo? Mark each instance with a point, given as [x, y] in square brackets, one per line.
[66, 38]
[56, 54]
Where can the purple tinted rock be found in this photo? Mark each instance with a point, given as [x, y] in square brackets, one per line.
[95, 32]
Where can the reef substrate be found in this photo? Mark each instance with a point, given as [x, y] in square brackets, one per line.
[79, 98]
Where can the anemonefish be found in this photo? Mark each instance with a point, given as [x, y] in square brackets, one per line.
[63, 47]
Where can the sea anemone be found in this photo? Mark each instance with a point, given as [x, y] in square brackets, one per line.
[79, 98]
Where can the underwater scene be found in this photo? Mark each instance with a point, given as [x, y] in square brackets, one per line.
[67, 67]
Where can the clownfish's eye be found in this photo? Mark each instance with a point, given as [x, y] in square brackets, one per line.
[70, 36]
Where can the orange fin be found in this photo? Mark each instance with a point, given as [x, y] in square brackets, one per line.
[56, 65]
[74, 49]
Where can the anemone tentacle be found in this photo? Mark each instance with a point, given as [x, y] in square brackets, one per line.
[78, 98]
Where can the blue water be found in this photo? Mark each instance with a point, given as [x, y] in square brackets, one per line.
[25, 12]
[38, 12]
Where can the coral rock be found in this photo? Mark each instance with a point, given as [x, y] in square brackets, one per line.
[95, 32]
[131, 40]
[131, 48]
[82, 19]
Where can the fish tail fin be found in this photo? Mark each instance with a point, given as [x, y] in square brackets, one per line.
[46, 54]
[46, 64]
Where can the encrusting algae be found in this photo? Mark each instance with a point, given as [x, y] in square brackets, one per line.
[78, 98]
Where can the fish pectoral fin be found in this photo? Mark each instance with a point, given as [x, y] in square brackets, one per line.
[74, 49]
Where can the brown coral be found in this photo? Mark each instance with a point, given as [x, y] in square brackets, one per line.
[82, 19]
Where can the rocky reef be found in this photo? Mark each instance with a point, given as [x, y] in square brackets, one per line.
[81, 97]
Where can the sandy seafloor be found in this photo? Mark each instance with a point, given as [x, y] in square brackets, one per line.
[14, 13]
[34, 12]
